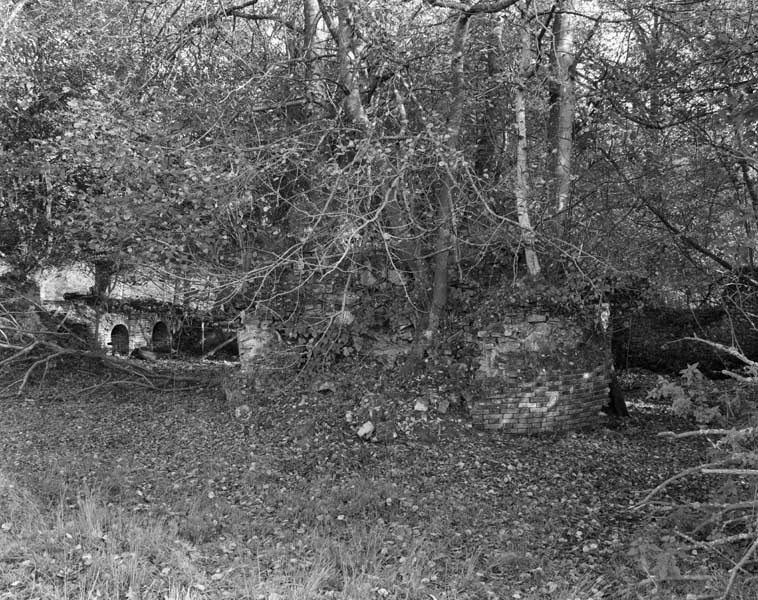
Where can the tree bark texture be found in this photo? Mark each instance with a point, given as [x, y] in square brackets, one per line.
[448, 183]
[493, 135]
[348, 57]
[563, 102]
[314, 48]
[522, 158]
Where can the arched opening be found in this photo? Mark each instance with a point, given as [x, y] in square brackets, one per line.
[120, 340]
[161, 338]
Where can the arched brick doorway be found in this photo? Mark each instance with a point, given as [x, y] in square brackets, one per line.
[120, 340]
[161, 337]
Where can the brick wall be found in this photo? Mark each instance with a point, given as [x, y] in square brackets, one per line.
[540, 373]
[537, 373]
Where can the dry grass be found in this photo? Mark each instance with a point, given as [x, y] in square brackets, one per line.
[90, 549]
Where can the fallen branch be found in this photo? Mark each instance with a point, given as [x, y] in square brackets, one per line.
[678, 476]
[725, 507]
[21, 351]
[699, 432]
[738, 537]
[37, 363]
[738, 472]
[737, 568]
[731, 351]
[10, 386]
[144, 376]
[738, 377]
[219, 347]
[131, 382]
[656, 581]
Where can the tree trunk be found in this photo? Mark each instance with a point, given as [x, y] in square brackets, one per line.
[748, 173]
[349, 49]
[522, 158]
[448, 184]
[562, 108]
[314, 47]
[398, 226]
[493, 134]
[616, 404]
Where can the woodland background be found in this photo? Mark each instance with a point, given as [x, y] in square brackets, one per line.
[555, 151]
[433, 162]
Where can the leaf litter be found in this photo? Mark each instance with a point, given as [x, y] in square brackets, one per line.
[520, 513]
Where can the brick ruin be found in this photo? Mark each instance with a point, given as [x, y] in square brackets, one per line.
[119, 332]
[541, 373]
[537, 372]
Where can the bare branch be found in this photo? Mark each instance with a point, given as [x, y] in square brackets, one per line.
[687, 240]
[260, 17]
[699, 432]
[738, 567]
[329, 22]
[737, 472]
[481, 7]
[730, 350]
[223, 344]
[678, 476]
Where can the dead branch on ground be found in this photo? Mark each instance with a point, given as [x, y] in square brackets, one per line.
[732, 351]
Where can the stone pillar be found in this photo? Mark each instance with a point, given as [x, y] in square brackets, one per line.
[254, 340]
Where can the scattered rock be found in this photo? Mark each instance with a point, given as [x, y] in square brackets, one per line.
[365, 430]
[326, 386]
[243, 412]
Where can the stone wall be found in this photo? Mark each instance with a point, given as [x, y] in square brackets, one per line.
[540, 373]
[138, 330]
[117, 332]
[143, 330]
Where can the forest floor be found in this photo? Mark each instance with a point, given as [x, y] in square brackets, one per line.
[109, 491]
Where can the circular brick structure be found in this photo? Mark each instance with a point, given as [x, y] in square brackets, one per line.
[541, 373]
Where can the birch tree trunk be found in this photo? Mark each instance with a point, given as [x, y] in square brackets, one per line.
[348, 59]
[315, 37]
[522, 157]
[562, 108]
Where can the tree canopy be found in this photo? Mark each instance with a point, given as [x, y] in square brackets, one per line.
[430, 143]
